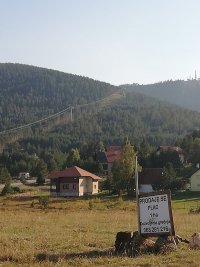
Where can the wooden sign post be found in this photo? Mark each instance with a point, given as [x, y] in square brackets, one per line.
[137, 191]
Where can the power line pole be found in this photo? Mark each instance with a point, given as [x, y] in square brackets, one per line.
[137, 192]
[71, 113]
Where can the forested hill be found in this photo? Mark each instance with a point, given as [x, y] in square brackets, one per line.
[140, 118]
[179, 92]
[28, 93]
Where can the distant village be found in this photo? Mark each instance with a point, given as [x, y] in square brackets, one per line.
[114, 173]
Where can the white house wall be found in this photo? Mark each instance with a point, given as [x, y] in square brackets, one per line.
[83, 186]
[95, 185]
[88, 186]
[195, 181]
[145, 188]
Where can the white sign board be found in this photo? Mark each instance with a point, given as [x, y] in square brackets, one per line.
[155, 215]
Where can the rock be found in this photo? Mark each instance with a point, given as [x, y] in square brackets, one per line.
[195, 241]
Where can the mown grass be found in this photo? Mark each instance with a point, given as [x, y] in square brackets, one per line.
[78, 233]
[186, 201]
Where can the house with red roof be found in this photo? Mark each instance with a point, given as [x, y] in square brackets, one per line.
[108, 157]
[73, 182]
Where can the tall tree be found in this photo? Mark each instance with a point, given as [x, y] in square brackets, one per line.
[73, 158]
[195, 152]
[123, 170]
[4, 175]
[42, 172]
[52, 166]
[168, 180]
[7, 188]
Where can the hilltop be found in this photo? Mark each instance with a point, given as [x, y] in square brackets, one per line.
[183, 93]
[28, 93]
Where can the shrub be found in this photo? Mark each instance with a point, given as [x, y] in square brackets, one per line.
[16, 189]
[91, 205]
[120, 201]
[197, 210]
[44, 201]
[23, 180]
[7, 189]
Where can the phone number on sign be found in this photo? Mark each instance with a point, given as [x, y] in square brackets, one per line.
[156, 229]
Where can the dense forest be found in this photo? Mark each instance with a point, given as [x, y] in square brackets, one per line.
[29, 93]
[179, 92]
[134, 116]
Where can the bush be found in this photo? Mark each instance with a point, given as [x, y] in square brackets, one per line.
[16, 189]
[23, 180]
[44, 201]
[32, 204]
[120, 201]
[197, 210]
[91, 205]
[7, 189]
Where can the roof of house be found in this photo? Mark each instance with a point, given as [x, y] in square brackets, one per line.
[113, 153]
[171, 149]
[113, 148]
[193, 174]
[150, 175]
[72, 173]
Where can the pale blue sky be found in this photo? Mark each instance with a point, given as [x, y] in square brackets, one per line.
[117, 41]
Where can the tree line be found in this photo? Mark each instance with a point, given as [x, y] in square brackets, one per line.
[121, 179]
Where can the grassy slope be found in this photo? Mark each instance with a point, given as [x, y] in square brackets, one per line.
[68, 233]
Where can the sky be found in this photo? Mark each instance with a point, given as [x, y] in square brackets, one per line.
[116, 41]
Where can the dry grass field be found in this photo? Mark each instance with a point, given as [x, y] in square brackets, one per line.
[82, 233]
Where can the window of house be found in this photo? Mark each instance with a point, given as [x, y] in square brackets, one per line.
[65, 186]
[74, 186]
[95, 186]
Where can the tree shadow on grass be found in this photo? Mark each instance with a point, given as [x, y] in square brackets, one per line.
[69, 256]
[186, 200]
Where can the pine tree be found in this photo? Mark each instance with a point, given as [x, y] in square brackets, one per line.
[7, 188]
[42, 172]
[4, 175]
[73, 158]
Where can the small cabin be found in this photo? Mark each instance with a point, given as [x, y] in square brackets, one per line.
[73, 182]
